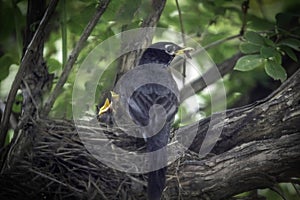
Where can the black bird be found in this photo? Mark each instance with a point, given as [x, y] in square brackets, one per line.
[143, 98]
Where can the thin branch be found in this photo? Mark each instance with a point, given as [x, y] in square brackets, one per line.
[245, 7]
[209, 77]
[12, 121]
[278, 191]
[30, 51]
[181, 23]
[199, 84]
[64, 32]
[218, 42]
[178, 62]
[73, 57]
[152, 19]
[53, 179]
[296, 189]
[141, 41]
[183, 41]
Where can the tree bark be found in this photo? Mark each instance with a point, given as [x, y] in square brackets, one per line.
[133, 46]
[252, 165]
[259, 147]
[38, 77]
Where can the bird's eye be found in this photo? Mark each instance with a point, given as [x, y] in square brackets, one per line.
[170, 49]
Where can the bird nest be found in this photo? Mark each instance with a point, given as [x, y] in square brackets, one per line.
[49, 161]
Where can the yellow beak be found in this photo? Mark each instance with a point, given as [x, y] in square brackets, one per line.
[114, 95]
[185, 50]
[108, 104]
[105, 107]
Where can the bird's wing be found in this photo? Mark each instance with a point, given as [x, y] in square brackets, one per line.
[148, 95]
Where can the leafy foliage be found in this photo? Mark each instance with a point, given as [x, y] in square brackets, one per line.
[270, 46]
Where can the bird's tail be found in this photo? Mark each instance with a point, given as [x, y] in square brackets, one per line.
[157, 178]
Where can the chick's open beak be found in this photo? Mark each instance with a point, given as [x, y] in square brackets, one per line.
[185, 50]
[105, 107]
[108, 104]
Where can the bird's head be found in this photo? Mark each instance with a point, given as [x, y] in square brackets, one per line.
[107, 106]
[163, 53]
[104, 114]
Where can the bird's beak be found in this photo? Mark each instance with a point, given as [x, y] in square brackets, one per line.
[108, 104]
[105, 107]
[114, 95]
[185, 50]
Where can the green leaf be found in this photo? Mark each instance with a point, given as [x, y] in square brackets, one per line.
[291, 42]
[249, 48]
[275, 70]
[78, 20]
[53, 65]
[254, 38]
[270, 53]
[9, 136]
[258, 24]
[269, 42]
[289, 52]
[17, 106]
[5, 62]
[248, 62]
[126, 12]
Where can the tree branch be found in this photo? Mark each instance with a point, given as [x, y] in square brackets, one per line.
[37, 79]
[25, 62]
[245, 159]
[183, 40]
[136, 44]
[252, 165]
[73, 57]
[142, 40]
[272, 117]
[209, 77]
